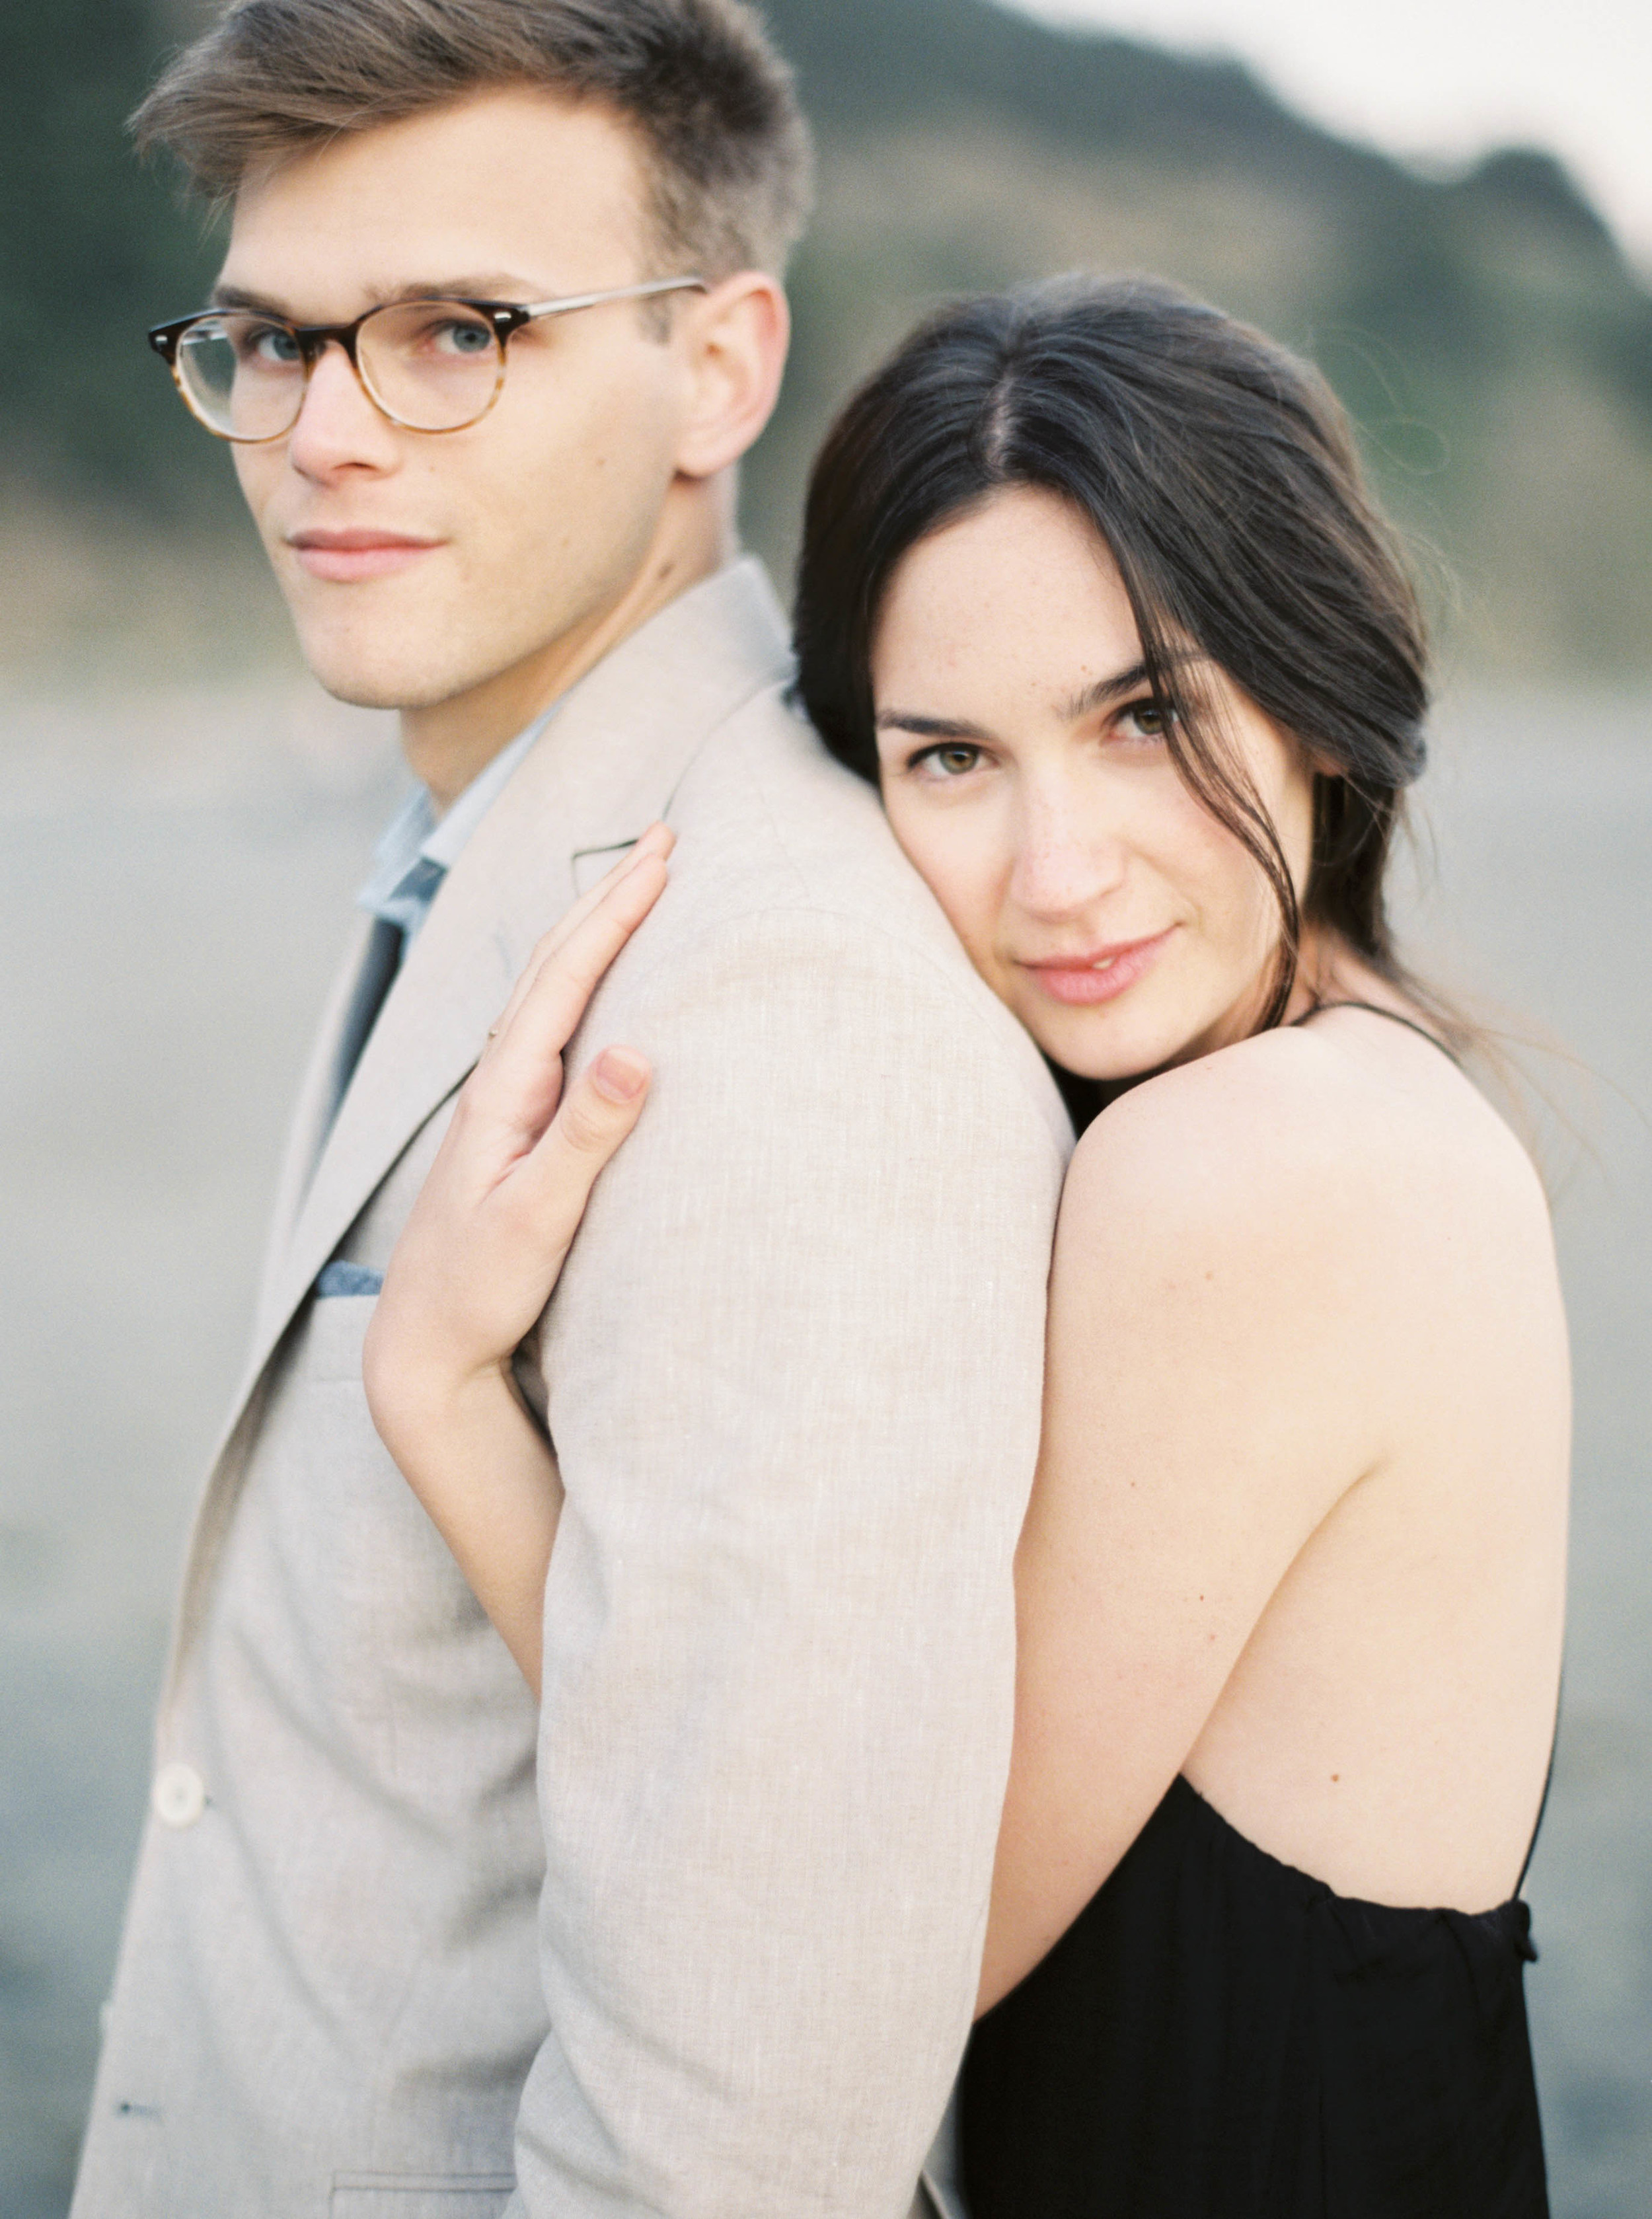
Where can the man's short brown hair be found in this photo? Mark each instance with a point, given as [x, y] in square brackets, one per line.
[727, 150]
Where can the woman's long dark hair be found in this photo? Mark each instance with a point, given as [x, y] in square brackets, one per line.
[1220, 472]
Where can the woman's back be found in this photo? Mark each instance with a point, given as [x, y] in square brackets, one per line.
[1305, 1462]
[1291, 1984]
[1389, 1723]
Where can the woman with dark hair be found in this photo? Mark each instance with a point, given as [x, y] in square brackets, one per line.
[1092, 591]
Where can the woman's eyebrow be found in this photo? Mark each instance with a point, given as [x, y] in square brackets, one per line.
[1092, 698]
[928, 728]
[1124, 681]
[1098, 695]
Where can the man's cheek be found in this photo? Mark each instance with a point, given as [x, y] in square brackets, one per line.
[252, 474]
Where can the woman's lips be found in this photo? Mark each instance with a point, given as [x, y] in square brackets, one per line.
[1098, 978]
[343, 555]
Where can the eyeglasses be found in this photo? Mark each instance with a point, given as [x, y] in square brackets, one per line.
[428, 365]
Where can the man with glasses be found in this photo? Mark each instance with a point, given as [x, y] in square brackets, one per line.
[428, 365]
[500, 312]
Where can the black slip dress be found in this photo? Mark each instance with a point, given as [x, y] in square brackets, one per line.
[1220, 2036]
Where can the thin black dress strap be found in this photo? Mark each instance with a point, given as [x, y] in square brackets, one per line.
[1376, 1010]
[1548, 1783]
[1543, 1808]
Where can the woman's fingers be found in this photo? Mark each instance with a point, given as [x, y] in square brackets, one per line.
[484, 1243]
[513, 1092]
[554, 1183]
[475, 1265]
[658, 840]
[554, 1002]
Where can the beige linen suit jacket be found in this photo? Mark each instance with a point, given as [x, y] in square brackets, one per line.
[701, 1938]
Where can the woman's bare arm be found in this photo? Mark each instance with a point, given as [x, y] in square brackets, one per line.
[482, 1250]
[473, 1455]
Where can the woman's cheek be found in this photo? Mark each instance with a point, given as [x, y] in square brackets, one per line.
[957, 868]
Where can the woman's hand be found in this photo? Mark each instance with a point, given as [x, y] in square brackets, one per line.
[485, 1240]
[482, 1249]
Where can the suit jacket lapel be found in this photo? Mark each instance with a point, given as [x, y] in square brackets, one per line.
[310, 1117]
[603, 770]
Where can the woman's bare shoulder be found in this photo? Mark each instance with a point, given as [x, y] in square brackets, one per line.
[1304, 1139]
[1234, 1123]
[1221, 1254]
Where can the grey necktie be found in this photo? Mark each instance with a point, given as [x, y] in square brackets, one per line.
[379, 964]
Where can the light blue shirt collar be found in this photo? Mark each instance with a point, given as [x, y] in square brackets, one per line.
[418, 849]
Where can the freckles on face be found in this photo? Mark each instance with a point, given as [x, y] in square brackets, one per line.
[1026, 773]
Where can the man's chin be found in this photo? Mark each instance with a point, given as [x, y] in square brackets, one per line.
[362, 693]
[378, 679]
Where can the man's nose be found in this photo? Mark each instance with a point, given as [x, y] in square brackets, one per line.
[339, 427]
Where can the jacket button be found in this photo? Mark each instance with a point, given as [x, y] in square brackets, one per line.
[178, 1796]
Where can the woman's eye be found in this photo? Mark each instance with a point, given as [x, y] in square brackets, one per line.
[952, 761]
[1147, 723]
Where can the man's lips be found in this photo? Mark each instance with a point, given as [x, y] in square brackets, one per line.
[1101, 975]
[365, 553]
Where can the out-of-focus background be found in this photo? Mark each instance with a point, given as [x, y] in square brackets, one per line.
[183, 819]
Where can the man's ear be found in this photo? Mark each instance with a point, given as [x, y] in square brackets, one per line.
[736, 339]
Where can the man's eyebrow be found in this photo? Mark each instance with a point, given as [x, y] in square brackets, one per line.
[496, 285]
[236, 296]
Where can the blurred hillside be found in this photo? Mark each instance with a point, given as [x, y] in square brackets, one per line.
[1490, 339]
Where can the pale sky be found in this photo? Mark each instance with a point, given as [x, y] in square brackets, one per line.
[1441, 79]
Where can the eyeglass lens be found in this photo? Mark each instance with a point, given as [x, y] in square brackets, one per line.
[432, 365]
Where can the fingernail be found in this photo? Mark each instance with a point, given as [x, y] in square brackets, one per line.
[620, 1074]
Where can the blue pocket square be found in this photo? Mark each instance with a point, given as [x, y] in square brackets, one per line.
[349, 1279]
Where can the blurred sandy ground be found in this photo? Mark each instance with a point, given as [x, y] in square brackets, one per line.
[175, 870]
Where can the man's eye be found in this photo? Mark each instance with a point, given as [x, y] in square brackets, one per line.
[271, 346]
[462, 336]
[952, 761]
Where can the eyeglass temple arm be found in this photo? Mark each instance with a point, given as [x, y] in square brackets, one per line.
[563, 308]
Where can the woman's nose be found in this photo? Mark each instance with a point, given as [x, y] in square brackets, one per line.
[1062, 863]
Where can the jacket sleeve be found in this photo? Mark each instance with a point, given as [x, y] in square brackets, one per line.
[794, 1375]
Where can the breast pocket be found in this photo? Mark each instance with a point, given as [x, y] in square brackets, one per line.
[342, 1281]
